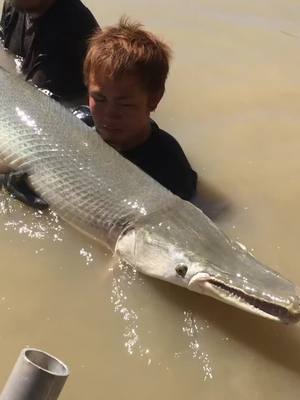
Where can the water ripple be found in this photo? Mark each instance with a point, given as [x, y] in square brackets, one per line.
[193, 329]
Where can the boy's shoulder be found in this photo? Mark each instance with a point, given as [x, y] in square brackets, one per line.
[175, 171]
[165, 142]
[162, 157]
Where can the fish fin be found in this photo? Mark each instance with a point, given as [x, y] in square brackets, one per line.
[15, 182]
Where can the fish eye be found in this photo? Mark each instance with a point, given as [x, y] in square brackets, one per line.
[181, 270]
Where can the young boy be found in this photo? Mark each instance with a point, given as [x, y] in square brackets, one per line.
[125, 72]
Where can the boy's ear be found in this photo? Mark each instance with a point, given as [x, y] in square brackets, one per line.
[155, 98]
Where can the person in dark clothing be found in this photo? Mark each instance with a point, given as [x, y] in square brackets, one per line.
[125, 71]
[161, 157]
[51, 38]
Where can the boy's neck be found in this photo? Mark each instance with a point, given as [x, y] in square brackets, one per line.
[138, 140]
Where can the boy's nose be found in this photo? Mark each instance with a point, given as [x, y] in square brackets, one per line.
[111, 112]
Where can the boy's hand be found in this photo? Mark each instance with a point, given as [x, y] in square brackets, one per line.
[84, 114]
[15, 183]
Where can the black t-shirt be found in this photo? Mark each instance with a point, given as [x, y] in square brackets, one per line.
[163, 159]
[53, 46]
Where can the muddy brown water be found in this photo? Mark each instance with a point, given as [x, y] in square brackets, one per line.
[233, 102]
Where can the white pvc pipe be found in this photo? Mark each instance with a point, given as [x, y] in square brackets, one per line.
[36, 376]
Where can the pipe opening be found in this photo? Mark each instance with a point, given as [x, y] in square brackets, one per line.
[46, 362]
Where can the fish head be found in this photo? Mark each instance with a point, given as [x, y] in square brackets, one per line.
[193, 252]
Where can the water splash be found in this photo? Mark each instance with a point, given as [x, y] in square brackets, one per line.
[194, 329]
[125, 283]
[124, 278]
[87, 255]
[32, 224]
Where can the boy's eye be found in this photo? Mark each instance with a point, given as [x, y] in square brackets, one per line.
[99, 99]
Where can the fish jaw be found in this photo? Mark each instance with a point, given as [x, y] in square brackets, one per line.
[281, 309]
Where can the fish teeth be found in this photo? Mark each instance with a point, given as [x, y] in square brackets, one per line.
[254, 304]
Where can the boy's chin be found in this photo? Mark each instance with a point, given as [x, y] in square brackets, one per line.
[113, 143]
[118, 139]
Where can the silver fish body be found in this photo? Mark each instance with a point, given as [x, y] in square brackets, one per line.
[105, 196]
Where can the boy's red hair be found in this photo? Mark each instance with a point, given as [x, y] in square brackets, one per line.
[127, 48]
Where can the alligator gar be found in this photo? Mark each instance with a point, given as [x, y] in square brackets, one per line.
[95, 189]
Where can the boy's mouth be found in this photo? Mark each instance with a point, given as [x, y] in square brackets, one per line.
[110, 129]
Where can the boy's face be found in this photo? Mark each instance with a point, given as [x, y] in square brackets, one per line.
[120, 109]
